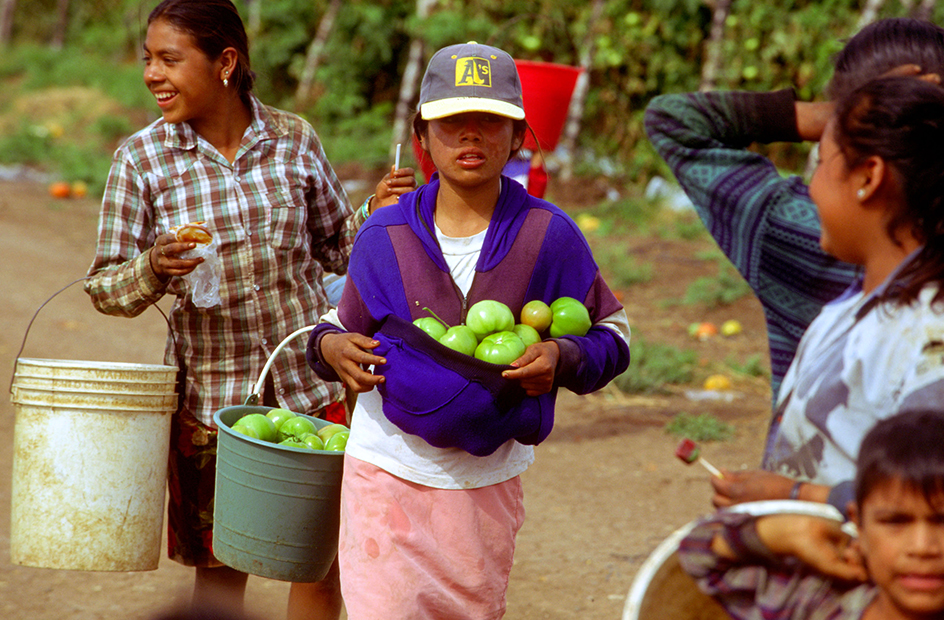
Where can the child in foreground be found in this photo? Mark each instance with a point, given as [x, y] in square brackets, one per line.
[429, 515]
[894, 570]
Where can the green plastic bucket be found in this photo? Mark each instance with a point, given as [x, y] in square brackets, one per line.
[277, 508]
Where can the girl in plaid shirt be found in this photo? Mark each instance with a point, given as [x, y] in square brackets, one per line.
[259, 179]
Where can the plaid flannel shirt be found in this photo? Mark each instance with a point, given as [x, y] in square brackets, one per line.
[280, 217]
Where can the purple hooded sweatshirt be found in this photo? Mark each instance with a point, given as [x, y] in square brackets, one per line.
[532, 250]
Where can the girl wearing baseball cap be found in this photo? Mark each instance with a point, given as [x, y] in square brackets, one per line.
[431, 493]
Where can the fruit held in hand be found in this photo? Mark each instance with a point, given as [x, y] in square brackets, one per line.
[536, 314]
[528, 334]
[488, 317]
[569, 318]
[500, 348]
[460, 338]
[431, 326]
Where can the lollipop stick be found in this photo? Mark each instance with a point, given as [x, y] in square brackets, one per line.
[396, 162]
[714, 470]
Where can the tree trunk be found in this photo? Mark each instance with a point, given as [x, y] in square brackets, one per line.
[924, 10]
[869, 13]
[579, 98]
[410, 83]
[712, 64]
[253, 18]
[6, 21]
[62, 24]
[303, 94]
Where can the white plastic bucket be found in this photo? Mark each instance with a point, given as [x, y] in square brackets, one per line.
[91, 444]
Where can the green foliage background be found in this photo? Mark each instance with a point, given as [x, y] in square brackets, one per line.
[641, 48]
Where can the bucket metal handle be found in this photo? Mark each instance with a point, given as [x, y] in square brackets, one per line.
[43, 305]
[257, 389]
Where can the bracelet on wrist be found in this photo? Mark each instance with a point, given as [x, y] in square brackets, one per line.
[795, 490]
[365, 208]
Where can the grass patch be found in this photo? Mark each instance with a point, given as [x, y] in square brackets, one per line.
[654, 365]
[753, 366]
[620, 269]
[723, 289]
[701, 427]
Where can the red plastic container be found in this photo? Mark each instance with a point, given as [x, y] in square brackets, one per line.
[546, 88]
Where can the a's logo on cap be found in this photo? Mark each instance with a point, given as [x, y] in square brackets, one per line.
[473, 72]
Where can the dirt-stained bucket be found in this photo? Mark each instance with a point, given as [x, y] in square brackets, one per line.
[277, 509]
[91, 443]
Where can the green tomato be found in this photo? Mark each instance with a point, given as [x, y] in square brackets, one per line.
[537, 314]
[528, 334]
[258, 422]
[248, 431]
[431, 326]
[338, 442]
[460, 338]
[294, 442]
[280, 415]
[313, 441]
[500, 348]
[488, 317]
[329, 431]
[296, 427]
[570, 318]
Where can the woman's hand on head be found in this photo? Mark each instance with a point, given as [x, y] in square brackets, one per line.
[165, 257]
[536, 369]
[912, 70]
[349, 354]
[395, 183]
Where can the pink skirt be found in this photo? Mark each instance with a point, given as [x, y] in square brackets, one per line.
[415, 552]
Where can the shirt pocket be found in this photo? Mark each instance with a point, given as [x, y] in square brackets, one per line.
[287, 219]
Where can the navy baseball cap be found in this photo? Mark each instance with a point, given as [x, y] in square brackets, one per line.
[470, 77]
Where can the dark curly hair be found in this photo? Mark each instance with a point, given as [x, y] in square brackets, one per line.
[883, 45]
[908, 447]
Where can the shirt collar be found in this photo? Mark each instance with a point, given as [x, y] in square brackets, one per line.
[889, 282]
[263, 126]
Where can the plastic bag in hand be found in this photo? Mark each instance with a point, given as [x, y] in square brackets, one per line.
[204, 281]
